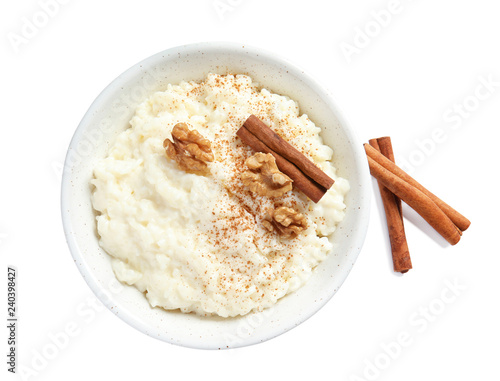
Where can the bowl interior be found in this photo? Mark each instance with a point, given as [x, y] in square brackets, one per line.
[110, 114]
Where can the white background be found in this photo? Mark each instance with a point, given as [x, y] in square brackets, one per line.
[402, 81]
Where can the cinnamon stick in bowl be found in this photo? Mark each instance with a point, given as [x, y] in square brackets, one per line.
[306, 176]
[302, 182]
[285, 149]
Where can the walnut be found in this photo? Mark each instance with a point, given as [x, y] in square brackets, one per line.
[189, 149]
[286, 221]
[264, 177]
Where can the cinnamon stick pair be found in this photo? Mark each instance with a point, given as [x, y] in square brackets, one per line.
[442, 217]
[306, 176]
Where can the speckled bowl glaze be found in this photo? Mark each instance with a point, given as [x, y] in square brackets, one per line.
[110, 114]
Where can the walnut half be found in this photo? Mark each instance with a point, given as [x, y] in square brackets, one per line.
[286, 221]
[189, 149]
[264, 177]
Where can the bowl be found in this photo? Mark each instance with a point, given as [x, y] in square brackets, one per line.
[109, 115]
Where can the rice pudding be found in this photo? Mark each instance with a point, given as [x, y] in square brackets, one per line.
[198, 242]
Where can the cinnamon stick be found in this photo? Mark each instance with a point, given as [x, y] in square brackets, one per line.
[385, 148]
[289, 152]
[415, 198]
[393, 213]
[306, 185]
[459, 220]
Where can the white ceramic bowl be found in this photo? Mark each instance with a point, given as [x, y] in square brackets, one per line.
[110, 114]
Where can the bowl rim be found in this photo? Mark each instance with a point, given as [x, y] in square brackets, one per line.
[226, 47]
